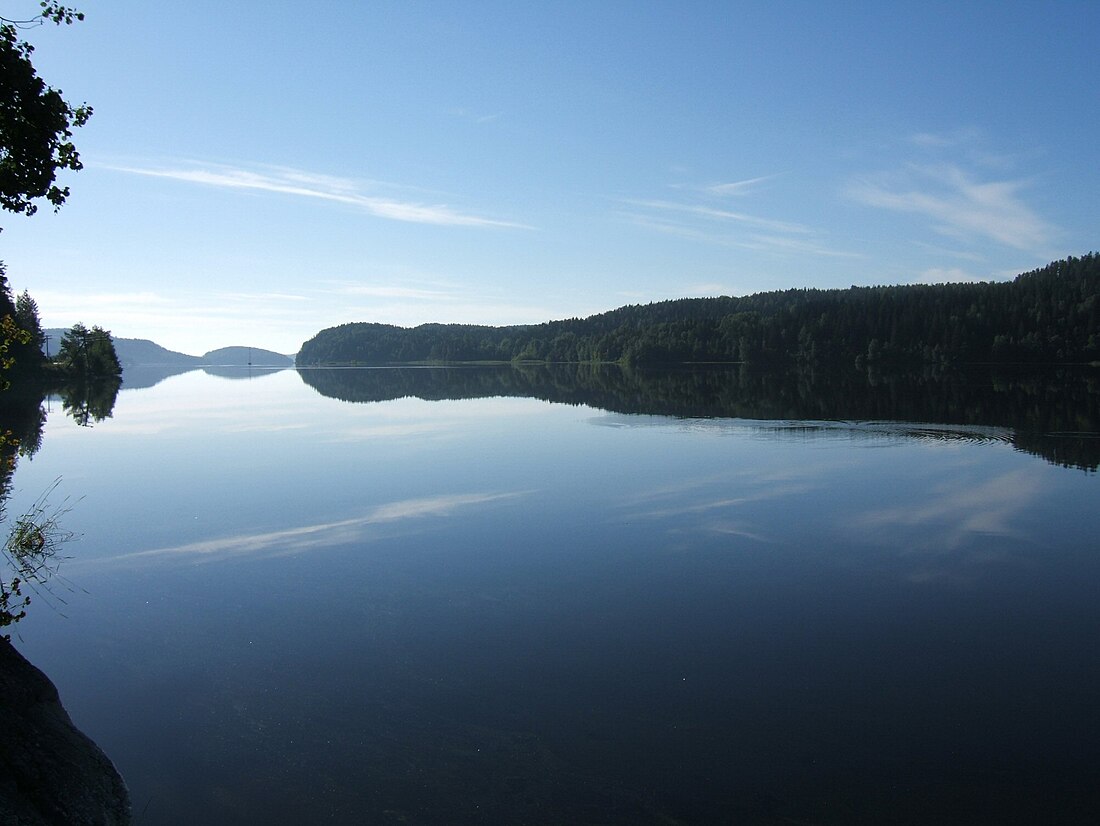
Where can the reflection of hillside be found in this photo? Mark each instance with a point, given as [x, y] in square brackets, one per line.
[235, 372]
[138, 376]
[1053, 414]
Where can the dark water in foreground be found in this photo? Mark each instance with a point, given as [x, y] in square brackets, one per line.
[486, 596]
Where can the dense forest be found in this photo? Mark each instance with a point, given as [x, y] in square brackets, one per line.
[1048, 315]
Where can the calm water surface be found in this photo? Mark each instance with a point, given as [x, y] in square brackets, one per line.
[288, 608]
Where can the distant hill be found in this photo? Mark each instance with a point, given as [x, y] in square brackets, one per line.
[132, 351]
[141, 352]
[246, 356]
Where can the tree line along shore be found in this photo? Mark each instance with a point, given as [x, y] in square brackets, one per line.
[1049, 315]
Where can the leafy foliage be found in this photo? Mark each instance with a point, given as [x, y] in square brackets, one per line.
[36, 122]
[88, 354]
[92, 372]
[1048, 315]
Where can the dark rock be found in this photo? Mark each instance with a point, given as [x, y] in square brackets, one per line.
[50, 772]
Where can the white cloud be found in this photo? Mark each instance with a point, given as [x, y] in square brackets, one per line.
[187, 323]
[773, 242]
[960, 205]
[669, 227]
[776, 242]
[387, 291]
[721, 189]
[702, 222]
[737, 187]
[946, 140]
[323, 187]
[74, 304]
[260, 296]
[723, 215]
[281, 321]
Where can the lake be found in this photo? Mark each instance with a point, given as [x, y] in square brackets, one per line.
[582, 595]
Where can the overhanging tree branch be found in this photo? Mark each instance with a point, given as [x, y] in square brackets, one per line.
[36, 122]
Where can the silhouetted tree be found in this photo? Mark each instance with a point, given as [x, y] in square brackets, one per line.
[88, 354]
[36, 122]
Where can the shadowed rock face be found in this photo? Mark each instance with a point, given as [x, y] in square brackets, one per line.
[50, 772]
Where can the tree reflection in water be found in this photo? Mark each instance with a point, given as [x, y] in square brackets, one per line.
[31, 553]
[90, 402]
[1052, 413]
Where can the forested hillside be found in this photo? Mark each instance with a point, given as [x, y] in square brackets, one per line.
[245, 357]
[1048, 315]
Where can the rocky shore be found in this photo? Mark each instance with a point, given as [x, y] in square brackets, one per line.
[50, 771]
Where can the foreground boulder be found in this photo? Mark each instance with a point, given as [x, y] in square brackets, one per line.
[50, 772]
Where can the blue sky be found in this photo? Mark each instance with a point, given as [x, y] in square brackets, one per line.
[257, 172]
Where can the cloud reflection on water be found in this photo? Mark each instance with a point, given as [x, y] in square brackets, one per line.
[722, 504]
[289, 541]
[953, 512]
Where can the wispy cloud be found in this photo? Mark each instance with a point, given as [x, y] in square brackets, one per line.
[945, 140]
[967, 143]
[727, 527]
[123, 311]
[963, 255]
[393, 291]
[260, 296]
[322, 187]
[665, 226]
[778, 242]
[696, 218]
[959, 204]
[475, 117]
[186, 323]
[281, 321]
[737, 187]
[782, 237]
[723, 215]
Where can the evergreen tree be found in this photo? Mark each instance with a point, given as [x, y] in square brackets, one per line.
[101, 354]
[72, 356]
[88, 354]
[26, 316]
[29, 356]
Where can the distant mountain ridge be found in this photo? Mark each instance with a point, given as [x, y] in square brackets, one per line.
[135, 352]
